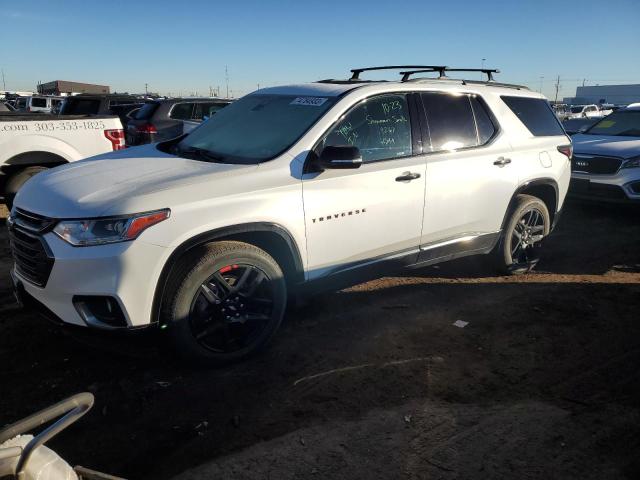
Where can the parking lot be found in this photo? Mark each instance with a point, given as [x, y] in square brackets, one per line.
[375, 381]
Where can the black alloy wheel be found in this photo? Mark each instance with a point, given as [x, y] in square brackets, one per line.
[231, 308]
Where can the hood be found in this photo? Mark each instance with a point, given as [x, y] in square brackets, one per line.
[624, 147]
[127, 181]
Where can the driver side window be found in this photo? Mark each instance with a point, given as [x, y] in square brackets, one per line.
[378, 126]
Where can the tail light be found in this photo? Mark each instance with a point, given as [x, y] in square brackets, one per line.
[116, 137]
[146, 128]
[566, 150]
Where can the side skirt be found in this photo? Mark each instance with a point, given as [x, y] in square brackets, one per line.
[431, 254]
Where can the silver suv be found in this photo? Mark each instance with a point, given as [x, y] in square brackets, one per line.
[606, 159]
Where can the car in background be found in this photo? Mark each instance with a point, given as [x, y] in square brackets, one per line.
[38, 103]
[587, 111]
[577, 125]
[606, 159]
[107, 104]
[161, 120]
[20, 103]
[7, 107]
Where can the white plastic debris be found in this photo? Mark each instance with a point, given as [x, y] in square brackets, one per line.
[44, 463]
[460, 323]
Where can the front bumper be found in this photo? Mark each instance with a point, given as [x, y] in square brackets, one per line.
[127, 272]
[621, 187]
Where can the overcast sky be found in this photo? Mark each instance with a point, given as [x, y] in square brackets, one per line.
[183, 47]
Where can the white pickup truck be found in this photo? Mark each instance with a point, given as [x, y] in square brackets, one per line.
[587, 111]
[30, 143]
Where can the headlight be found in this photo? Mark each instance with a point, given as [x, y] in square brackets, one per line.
[632, 162]
[98, 231]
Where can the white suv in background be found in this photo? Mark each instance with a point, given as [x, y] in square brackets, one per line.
[286, 191]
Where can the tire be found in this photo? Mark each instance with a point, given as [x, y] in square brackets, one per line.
[211, 315]
[530, 219]
[15, 182]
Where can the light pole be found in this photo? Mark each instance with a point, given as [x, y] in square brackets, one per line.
[541, 78]
[483, 60]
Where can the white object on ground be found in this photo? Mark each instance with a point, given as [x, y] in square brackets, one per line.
[460, 323]
[44, 463]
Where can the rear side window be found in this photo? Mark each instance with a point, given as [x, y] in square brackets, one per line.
[78, 106]
[486, 127]
[206, 110]
[536, 114]
[39, 102]
[146, 111]
[181, 111]
[451, 123]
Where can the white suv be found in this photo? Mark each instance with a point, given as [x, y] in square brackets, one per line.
[287, 191]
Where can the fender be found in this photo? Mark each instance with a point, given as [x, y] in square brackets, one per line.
[553, 212]
[31, 144]
[35, 157]
[229, 232]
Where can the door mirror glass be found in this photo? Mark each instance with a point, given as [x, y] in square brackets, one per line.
[340, 156]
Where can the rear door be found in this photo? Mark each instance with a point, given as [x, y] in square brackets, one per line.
[356, 217]
[470, 180]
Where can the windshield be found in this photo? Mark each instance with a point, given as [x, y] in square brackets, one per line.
[620, 124]
[256, 128]
[576, 109]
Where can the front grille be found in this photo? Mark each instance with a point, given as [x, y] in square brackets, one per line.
[31, 254]
[594, 164]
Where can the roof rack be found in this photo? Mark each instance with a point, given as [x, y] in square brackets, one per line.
[443, 72]
[355, 73]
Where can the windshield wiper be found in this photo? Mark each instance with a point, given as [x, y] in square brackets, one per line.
[195, 153]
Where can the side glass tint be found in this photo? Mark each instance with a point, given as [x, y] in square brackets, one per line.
[378, 126]
[450, 120]
[486, 128]
[181, 111]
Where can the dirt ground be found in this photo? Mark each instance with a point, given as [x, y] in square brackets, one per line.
[375, 381]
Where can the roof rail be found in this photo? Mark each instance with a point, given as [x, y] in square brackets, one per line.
[355, 73]
[443, 70]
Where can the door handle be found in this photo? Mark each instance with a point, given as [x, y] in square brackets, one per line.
[407, 177]
[501, 161]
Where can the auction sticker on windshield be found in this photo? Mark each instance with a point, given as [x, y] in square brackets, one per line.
[310, 101]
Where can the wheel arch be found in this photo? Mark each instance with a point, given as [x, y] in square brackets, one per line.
[270, 237]
[32, 159]
[546, 189]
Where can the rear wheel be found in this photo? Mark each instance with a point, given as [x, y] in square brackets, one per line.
[519, 250]
[15, 182]
[227, 301]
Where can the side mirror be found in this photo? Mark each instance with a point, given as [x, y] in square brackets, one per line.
[343, 156]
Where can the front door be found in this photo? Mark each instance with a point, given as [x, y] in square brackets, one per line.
[359, 216]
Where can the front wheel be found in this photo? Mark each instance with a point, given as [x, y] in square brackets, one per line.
[227, 301]
[519, 249]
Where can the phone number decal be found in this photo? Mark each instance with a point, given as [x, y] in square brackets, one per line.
[60, 126]
[68, 126]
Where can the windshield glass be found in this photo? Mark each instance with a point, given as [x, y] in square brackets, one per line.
[576, 109]
[621, 124]
[256, 128]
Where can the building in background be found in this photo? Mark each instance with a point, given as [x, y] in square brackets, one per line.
[613, 94]
[62, 87]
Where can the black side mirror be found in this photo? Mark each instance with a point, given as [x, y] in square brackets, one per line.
[343, 156]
